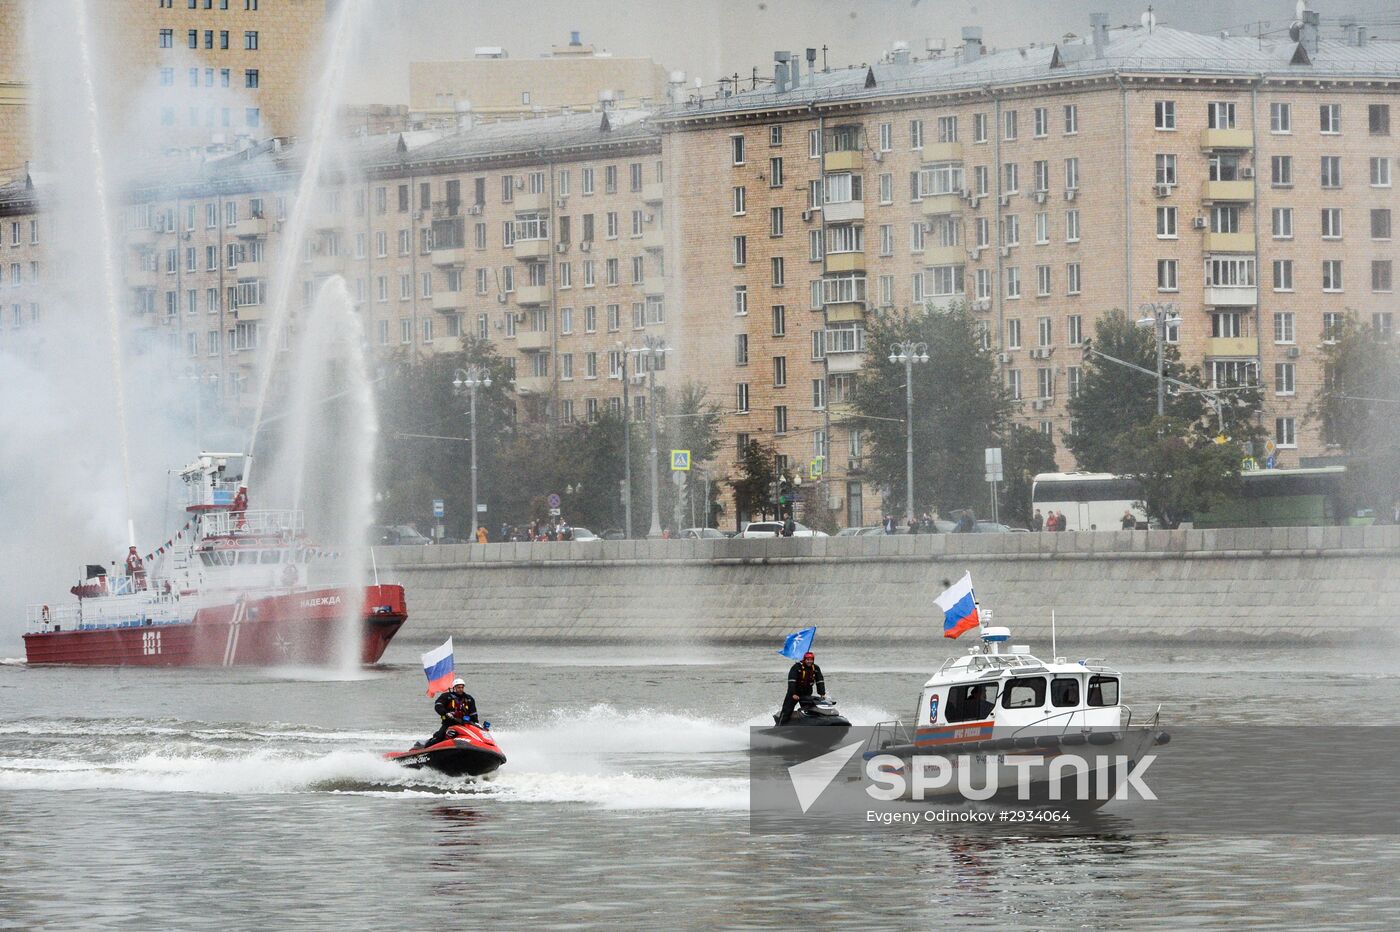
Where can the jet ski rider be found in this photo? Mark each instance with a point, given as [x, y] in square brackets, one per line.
[803, 676]
[456, 707]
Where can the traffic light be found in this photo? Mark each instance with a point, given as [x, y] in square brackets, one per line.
[774, 491]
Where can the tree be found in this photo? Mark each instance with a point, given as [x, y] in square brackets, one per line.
[688, 421]
[757, 473]
[961, 407]
[1180, 470]
[1357, 410]
[1024, 452]
[1114, 399]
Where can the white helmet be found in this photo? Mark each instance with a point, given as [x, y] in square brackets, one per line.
[458, 682]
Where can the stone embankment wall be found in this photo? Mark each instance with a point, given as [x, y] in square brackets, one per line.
[1265, 583]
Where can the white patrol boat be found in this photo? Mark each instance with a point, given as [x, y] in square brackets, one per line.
[1059, 727]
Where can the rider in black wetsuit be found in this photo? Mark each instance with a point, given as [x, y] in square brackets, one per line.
[804, 675]
[456, 707]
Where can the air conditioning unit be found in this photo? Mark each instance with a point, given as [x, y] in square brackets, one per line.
[520, 184]
[975, 199]
[1199, 223]
[975, 252]
[1247, 172]
[1161, 190]
[418, 215]
[1040, 404]
[1003, 358]
[1071, 193]
[559, 202]
[984, 304]
[474, 210]
[1293, 352]
[651, 218]
[878, 156]
[965, 194]
[585, 246]
[1040, 196]
[500, 299]
[561, 247]
[807, 214]
[1005, 251]
[1005, 200]
[1037, 353]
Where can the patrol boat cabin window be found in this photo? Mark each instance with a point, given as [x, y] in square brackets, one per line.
[1024, 693]
[1103, 690]
[1064, 692]
[272, 556]
[247, 556]
[971, 702]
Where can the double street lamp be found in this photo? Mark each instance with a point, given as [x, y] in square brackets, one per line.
[908, 352]
[649, 355]
[1160, 316]
[471, 378]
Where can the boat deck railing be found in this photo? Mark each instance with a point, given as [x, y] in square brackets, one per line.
[265, 523]
[155, 607]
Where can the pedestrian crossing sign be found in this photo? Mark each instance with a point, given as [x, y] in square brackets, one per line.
[817, 467]
[680, 461]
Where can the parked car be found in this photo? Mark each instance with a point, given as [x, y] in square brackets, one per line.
[851, 531]
[583, 533]
[614, 533]
[397, 535]
[701, 533]
[991, 527]
[775, 529]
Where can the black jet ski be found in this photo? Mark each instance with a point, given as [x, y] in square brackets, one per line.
[467, 751]
[816, 722]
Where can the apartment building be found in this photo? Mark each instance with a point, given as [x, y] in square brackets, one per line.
[183, 71]
[494, 86]
[1244, 181]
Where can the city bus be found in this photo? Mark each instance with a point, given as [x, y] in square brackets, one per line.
[1268, 498]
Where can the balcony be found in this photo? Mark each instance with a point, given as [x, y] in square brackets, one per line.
[142, 237]
[1228, 190]
[531, 250]
[532, 295]
[1232, 296]
[945, 255]
[844, 362]
[253, 268]
[449, 301]
[532, 384]
[327, 265]
[1232, 346]
[653, 238]
[449, 257]
[653, 193]
[935, 205]
[532, 340]
[654, 285]
[849, 161]
[845, 312]
[841, 410]
[530, 203]
[845, 262]
[252, 228]
[327, 220]
[1229, 242]
[1227, 139]
[844, 211]
[942, 152]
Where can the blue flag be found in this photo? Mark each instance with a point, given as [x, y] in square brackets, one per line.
[798, 643]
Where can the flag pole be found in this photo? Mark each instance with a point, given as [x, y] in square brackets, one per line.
[1054, 651]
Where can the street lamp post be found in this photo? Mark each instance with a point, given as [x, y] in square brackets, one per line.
[1160, 316]
[908, 352]
[654, 349]
[471, 378]
[626, 443]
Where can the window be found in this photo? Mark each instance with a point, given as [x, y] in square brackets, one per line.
[741, 250]
[741, 300]
[775, 135]
[1040, 122]
[739, 201]
[1284, 378]
[1042, 228]
[1220, 114]
[588, 181]
[1040, 175]
[610, 179]
[814, 144]
[1013, 382]
[1331, 171]
[779, 371]
[886, 136]
[250, 44]
[1382, 323]
[778, 270]
[1285, 432]
[1381, 275]
[1167, 275]
[886, 188]
[1283, 274]
[1103, 690]
[1071, 119]
[970, 703]
[775, 221]
[741, 349]
[1280, 118]
[1283, 327]
[1008, 121]
[1166, 168]
[1013, 334]
[1071, 174]
[1166, 223]
[1330, 118]
[1380, 223]
[916, 134]
[1164, 114]
[1072, 278]
[1224, 218]
[948, 129]
[741, 398]
[1380, 172]
[1011, 172]
[779, 320]
[1332, 275]
[1281, 171]
[1332, 326]
[250, 78]
[1027, 692]
[1331, 223]
[736, 150]
[916, 236]
[1283, 222]
[1042, 281]
[1072, 226]
[1230, 273]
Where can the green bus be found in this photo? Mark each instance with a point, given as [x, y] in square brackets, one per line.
[1281, 498]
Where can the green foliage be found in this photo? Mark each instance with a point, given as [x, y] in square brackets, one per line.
[1358, 409]
[1181, 470]
[757, 471]
[1024, 452]
[960, 406]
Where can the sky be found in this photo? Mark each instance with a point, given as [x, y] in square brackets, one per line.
[711, 38]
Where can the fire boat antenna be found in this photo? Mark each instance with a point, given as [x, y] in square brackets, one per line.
[131, 531]
[1054, 651]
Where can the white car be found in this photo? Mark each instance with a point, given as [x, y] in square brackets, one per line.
[584, 534]
[775, 529]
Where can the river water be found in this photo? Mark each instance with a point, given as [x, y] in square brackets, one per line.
[237, 798]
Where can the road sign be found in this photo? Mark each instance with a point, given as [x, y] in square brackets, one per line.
[481, 509]
[678, 478]
[993, 458]
[554, 512]
[554, 500]
[817, 467]
[439, 508]
[1269, 447]
[680, 461]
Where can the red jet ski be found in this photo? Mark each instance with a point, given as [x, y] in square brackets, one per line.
[467, 751]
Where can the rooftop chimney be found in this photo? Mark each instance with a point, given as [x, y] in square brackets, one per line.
[463, 109]
[794, 70]
[1309, 34]
[1098, 25]
[900, 53]
[972, 43]
[811, 66]
[780, 71]
[1356, 34]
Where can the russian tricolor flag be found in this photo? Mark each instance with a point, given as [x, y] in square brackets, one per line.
[438, 667]
[959, 607]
